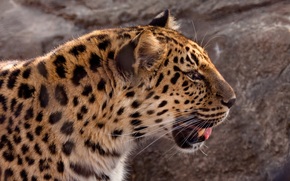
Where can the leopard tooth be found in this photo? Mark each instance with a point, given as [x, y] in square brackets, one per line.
[200, 133]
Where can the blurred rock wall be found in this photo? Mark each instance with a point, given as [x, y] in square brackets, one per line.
[249, 41]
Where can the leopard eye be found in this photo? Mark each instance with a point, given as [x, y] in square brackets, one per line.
[194, 75]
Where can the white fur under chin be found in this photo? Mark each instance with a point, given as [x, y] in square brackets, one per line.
[194, 148]
[119, 172]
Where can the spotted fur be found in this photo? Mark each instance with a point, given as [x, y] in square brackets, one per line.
[76, 112]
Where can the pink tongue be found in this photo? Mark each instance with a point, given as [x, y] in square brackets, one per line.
[207, 133]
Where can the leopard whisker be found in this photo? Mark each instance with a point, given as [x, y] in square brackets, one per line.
[210, 40]
[195, 32]
[203, 152]
[173, 154]
[203, 39]
[153, 132]
[151, 144]
[168, 150]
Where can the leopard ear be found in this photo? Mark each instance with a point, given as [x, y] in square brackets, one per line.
[149, 52]
[165, 20]
[143, 52]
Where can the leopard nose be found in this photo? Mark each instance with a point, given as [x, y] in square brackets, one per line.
[229, 103]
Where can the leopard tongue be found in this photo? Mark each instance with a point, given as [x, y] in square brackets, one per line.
[205, 132]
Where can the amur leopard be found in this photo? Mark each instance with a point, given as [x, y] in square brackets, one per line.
[77, 112]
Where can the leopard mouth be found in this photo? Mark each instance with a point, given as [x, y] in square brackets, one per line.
[186, 136]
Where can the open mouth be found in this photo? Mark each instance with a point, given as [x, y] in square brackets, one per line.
[185, 136]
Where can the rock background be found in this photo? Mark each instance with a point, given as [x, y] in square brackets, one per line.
[249, 41]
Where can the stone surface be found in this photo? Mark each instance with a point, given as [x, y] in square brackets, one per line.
[249, 41]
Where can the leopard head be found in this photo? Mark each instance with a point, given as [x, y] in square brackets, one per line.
[185, 95]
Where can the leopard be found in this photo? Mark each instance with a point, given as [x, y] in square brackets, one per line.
[78, 112]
